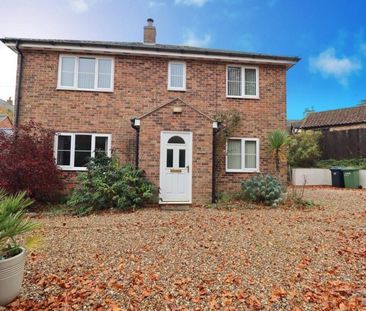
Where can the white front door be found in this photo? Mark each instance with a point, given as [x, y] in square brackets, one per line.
[175, 167]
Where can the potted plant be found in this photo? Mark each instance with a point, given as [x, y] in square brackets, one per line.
[13, 222]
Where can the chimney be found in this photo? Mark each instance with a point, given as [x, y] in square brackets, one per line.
[150, 32]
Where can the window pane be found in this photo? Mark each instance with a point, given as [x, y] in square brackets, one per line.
[250, 82]
[82, 150]
[63, 157]
[234, 154]
[182, 158]
[176, 75]
[250, 154]
[83, 142]
[67, 71]
[176, 140]
[104, 73]
[64, 142]
[82, 158]
[86, 73]
[101, 145]
[169, 158]
[234, 81]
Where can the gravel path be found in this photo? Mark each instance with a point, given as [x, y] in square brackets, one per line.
[204, 259]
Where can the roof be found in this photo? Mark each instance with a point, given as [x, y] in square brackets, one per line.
[5, 122]
[158, 49]
[345, 116]
[294, 124]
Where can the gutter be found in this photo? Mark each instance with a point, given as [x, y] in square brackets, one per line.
[19, 83]
[135, 124]
[161, 52]
[215, 129]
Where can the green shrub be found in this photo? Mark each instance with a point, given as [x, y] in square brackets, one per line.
[107, 184]
[263, 189]
[359, 163]
[303, 149]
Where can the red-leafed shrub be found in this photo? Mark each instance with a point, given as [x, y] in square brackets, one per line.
[27, 163]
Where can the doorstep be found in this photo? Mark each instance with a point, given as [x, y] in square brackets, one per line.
[175, 207]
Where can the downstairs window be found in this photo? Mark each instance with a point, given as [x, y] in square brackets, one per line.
[74, 150]
[242, 155]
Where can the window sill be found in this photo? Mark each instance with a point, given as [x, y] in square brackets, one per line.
[176, 90]
[242, 97]
[72, 169]
[84, 90]
[243, 171]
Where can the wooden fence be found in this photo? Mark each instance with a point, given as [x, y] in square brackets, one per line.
[348, 144]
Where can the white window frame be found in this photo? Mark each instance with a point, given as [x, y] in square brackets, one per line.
[71, 167]
[76, 72]
[172, 88]
[243, 168]
[242, 86]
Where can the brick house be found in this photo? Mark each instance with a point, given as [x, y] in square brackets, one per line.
[156, 106]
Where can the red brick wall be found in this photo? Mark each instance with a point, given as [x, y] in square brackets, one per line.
[140, 84]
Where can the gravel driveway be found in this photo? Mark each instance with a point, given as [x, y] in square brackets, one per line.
[204, 259]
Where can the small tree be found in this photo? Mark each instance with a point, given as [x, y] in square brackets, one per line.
[277, 145]
[27, 163]
[304, 149]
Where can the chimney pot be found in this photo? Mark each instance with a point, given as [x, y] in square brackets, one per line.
[150, 32]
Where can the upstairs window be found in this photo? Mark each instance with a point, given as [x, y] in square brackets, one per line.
[242, 155]
[177, 76]
[242, 82]
[85, 73]
[73, 151]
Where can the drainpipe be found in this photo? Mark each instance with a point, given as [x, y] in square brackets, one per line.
[135, 123]
[216, 127]
[19, 83]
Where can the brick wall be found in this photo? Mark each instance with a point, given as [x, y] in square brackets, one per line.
[140, 84]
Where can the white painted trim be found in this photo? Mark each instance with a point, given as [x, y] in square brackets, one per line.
[162, 160]
[183, 88]
[243, 169]
[152, 53]
[242, 86]
[71, 167]
[76, 70]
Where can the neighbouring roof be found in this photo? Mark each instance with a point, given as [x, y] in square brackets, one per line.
[345, 116]
[141, 47]
[294, 124]
[5, 122]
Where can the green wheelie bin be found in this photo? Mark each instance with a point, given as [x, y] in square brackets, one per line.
[351, 177]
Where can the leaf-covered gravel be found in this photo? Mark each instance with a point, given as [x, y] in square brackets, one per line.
[202, 259]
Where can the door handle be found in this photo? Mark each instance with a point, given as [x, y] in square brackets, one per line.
[187, 167]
